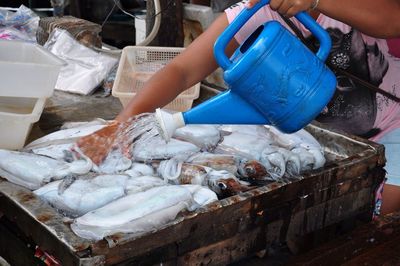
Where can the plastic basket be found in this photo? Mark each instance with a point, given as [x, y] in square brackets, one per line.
[138, 64]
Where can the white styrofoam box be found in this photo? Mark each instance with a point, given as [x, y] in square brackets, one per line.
[27, 70]
[138, 64]
[17, 115]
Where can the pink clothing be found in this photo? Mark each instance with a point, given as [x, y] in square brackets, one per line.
[378, 65]
[394, 47]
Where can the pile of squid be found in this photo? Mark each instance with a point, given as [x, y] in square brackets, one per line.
[146, 189]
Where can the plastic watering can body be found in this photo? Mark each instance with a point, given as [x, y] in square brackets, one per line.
[273, 78]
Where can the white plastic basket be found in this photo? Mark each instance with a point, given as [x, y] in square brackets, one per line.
[17, 115]
[138, 64]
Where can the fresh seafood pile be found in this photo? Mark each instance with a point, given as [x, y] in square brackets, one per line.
[146, 187]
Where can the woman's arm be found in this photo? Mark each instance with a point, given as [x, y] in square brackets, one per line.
[376, 18]
[187, 69]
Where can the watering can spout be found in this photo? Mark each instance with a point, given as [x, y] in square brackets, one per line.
[225, 108]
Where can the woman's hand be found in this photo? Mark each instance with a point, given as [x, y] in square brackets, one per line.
[288, 8]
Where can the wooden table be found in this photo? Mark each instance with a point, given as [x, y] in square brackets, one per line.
[63, 107]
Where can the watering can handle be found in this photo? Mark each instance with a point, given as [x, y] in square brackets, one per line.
[246, 14]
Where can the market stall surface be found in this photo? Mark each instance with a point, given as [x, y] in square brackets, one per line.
[300, 214]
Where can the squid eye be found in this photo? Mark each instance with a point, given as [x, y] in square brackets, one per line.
[250, 170]
[222, 186]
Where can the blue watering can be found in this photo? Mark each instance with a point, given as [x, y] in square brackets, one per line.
[273, 79]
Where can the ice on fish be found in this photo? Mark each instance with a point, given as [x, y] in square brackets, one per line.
[33, 171]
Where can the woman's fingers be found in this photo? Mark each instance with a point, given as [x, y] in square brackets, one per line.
[278, 5]
[285, 7]
[251, 3]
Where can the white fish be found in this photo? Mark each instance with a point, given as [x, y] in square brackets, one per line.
[139, 169]
[136, 213]
[33, 171]
[253, 130]
[205, 137]
[178, 173]
[55, 151]
[226, 162]
[114, 163]
[56, 145]
[243, 145]
[75, 124]
[293, 164]
[252, 170]
[224, 183]
[64, 136]
[319, 158]
[306, 158]
[273, 161]
[201, 196]
[142, 183]
[301, 138]
[170, 169]
[84, 195]
[157, 149]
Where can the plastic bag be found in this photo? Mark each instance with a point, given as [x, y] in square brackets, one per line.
[19, 25]
[85, 68]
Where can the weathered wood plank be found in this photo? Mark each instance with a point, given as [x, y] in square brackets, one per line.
[192, 234]
[375, 243]
[226, 251]
[170, 33]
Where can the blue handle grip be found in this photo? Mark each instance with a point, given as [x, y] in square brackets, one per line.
[246, 14]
